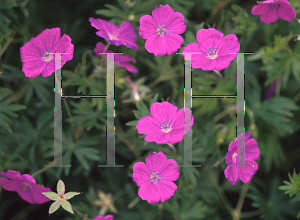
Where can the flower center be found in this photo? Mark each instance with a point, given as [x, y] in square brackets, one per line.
[26, 187]
[274, 7]
[113, 36]
[46, 57]
[161, 30]
[155, 177]
[212, 53]
[165, 126]
[234, 157]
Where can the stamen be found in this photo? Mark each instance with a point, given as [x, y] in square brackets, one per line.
[274, 7]
[46, 56]
[212, 53]
[161, 30]
[166, 126]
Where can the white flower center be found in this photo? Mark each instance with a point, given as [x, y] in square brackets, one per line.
[161, 30]
[46, 56]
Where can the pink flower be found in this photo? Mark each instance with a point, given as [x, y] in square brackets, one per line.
[155, 177]
[25, 186]
[214, 50]
[271, 10]
[251, 153]
[124, 34]
[99, 217]
[162, 30]
[122, 59]
[34, 53]
[167, 125]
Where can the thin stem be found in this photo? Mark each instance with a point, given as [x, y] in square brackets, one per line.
[218, 74]
[222, 195]
[242, 197]
[79, 213]
[8, 41]
[253, 213]
[42, 170]
[134, 202]
[68, 111]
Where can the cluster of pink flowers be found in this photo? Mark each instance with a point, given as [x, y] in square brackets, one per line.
[166, 125]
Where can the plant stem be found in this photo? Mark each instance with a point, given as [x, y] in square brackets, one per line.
[104, 51]
[79, 213]
[222, 195]
[68, 111]
[42, 170]
[134, 202]
[253, 213]
[236, 213]
[8, 41]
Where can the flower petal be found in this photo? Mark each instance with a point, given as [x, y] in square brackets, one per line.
[141, 173]
[37, 196]
[177, 25]
[47, 39]
[10, 185]
[163, 15]
[158, 137]
[12, 175]
[166, 190]
[259, 9]
[147, 27]
[129, 67]
[232, 174]
[251, 149]
[156, 161]
[106, 28]
[147, 125]
[28, 179]
[269, 16]
[286, 12]
[149, 192]
[163, 111]
[246, 173]
[170, 172]
[127, 35]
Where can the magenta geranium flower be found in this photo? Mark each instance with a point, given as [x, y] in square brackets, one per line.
[25, 186]
[167, 125]
[251, 154]
[155, 177]
[124, 34]
[271, 10]
[162, 30]
[214, 50]
[121, 59]
[99, 217]
[34, 53]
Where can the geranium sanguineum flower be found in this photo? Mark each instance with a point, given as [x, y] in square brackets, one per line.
[155, 177]
[121, 59]
[251, 154]
[167, 125]
[35, 53]
[124, 34]
[271, 10]
[215, 52]
[108, 217]
[25, 186]
[162, 30]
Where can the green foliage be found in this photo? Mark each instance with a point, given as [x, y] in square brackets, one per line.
[292, 187]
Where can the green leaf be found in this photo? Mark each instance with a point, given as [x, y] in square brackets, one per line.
[189, 38]
[54, 206]
[154, 99]
[67, 206]
[296, 69]
[112, 11]
[51, 195]
[292, 187]
[70, 195]
[132, 123]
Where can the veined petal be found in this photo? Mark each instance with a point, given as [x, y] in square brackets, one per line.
[127, 35]
[166, 189]
[170, 172]
[147, 27]
[147, 125]
[163, 15]
[246, 173]
[141, 173]
[232, 174]
[149, 192]
[156, 161]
